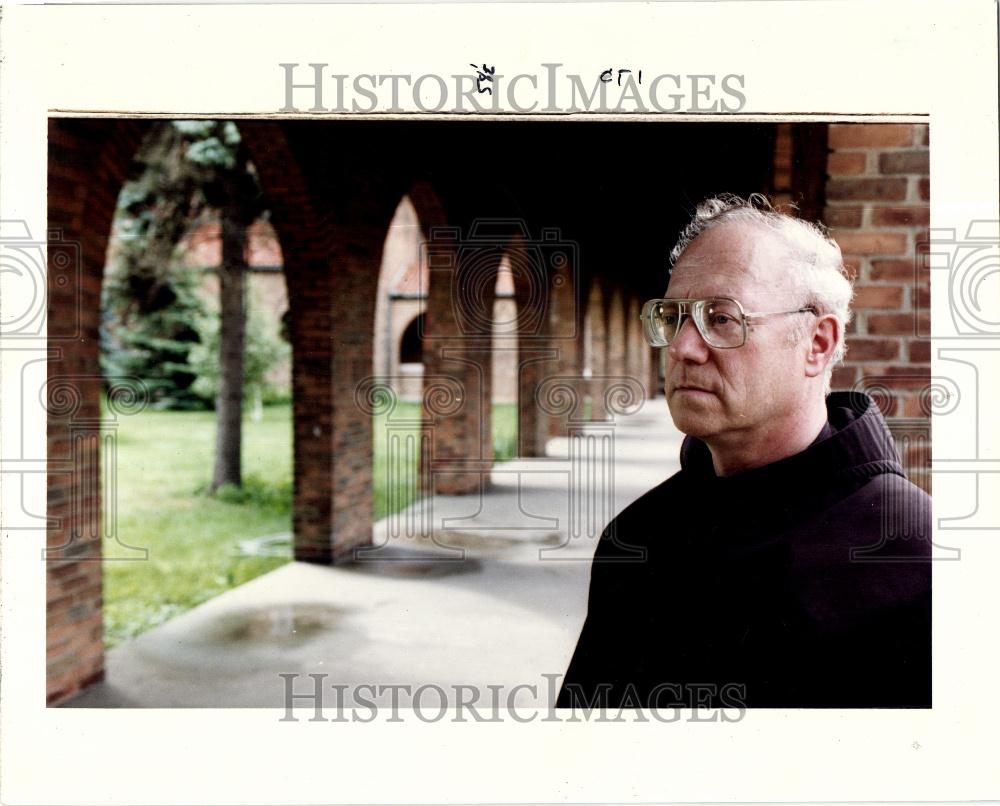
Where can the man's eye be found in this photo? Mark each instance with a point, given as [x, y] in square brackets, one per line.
[669, 319]
[721, 319]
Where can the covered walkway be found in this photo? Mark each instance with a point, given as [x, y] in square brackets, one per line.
[586, 241]
[495, 596]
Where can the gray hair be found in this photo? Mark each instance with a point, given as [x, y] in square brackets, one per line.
[820, 277]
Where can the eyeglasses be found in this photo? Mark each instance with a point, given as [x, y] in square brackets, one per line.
[721, 321]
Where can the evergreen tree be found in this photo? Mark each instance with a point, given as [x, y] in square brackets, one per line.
[152, 315]
[186, 171]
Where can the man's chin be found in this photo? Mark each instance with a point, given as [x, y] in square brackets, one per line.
[692, 414]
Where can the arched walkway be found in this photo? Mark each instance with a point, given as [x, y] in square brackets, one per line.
[331, 214]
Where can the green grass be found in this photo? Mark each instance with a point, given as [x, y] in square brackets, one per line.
[164, 464]
[392, 496]
[504, 431]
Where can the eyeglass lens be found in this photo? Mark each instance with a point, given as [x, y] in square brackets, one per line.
[718, 320]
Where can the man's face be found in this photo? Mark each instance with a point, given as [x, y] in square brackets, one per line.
[749, 391]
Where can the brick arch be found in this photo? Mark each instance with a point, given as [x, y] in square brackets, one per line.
[595, 342]
[615, 344]
[428, 204]
[88, 163]
[305, 235]
[638, 356]
[536, 357]
[332, 220]
[457, 338]
[565, 324]
[328, 259]
[492, 223]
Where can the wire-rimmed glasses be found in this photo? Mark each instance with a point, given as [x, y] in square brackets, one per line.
[721, 321]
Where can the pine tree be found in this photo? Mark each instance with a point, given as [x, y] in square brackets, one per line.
[186, 171]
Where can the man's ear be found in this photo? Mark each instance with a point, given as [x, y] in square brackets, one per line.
[826, 333]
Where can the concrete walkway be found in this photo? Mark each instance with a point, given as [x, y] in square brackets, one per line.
[474, 590]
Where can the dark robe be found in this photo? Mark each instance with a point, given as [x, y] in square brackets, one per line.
[802, 583]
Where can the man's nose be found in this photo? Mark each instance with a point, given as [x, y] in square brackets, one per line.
[688, 345]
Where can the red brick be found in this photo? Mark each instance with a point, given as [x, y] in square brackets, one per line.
[871, 243]
[872, 349]
[920, 297]
[846, 163]
[893, 269]
[908, 372]
[924, 134]
[863, 135]
[59, 689]
[853, 268]
[913, 407]
[888, 404]
[878, 296]
[915, 216]
[837, 217]
[905, 162]
[870, 189]
[924, 188]
[921, 241]
[844, 377]
[898, 324]
[62, 570]
[919, 352]
[73, 583]
[917, 456]
[907, 379]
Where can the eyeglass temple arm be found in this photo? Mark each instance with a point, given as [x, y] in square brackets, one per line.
[808, 309]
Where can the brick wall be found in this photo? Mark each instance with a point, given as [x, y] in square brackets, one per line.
[566, 324]
[877, 203]
[456, 349]
[87, 163]
[331, 222]
[638, 355]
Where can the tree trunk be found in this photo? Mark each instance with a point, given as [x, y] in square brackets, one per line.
[229, 404]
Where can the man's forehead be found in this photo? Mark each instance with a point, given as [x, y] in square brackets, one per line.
[741, 253]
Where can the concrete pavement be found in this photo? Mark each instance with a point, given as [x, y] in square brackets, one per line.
[480, 590]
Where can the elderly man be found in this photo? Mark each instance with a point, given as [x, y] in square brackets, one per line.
[786, 563]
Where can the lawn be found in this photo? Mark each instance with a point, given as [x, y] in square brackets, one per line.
[164, 462]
